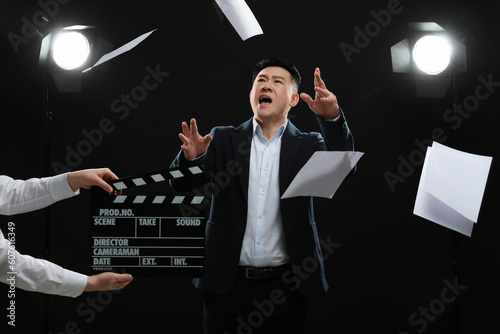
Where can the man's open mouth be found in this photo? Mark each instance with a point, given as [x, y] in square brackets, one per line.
[265, 101]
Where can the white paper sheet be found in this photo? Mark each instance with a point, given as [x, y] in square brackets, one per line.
[122, 49]
[451, 187]
[241, 17]
[322, 175]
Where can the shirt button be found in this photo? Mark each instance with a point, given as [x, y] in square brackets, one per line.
[258, 242]
[260, 216]
[262, 193]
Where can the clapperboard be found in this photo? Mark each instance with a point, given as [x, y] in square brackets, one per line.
[148, 235]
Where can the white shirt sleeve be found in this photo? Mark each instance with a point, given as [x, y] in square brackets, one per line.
[39, 275]
[18, 196]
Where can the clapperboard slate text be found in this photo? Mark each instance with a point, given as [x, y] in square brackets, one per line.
[148, 235]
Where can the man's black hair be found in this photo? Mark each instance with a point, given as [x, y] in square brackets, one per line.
[279, 62]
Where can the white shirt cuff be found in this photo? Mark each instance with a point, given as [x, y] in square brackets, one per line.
[60, 189]
[332, 120]
[72, 284]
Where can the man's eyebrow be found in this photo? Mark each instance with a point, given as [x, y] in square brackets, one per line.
[274, 76]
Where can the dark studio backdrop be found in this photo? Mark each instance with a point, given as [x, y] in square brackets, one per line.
[389, 271]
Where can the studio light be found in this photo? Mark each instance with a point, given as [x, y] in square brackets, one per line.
[66, 52]
[63, 54]
[70, 49]
[431, 55]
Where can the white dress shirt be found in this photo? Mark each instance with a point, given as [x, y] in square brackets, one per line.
[264, 242]
[17, 196]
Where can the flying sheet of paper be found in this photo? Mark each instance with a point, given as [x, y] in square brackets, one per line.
[122, 49]
[451, 187]
[241, 17]
[322, 175]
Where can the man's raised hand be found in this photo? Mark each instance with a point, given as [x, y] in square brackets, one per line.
[193, 144]
[325, 102]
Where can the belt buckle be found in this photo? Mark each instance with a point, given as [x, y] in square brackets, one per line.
[247, 271]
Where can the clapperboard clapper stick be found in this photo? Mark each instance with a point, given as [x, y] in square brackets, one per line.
[149, 235]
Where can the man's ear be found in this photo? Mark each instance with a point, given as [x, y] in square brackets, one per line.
[295, 99]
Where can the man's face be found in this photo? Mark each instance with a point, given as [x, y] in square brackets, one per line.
[272, 95]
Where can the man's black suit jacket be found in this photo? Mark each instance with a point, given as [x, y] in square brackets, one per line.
[227, 165]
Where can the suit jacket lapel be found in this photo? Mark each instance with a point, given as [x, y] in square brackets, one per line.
[241, 141]
[290, 144]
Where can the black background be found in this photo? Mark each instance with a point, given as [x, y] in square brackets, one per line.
[387, 263]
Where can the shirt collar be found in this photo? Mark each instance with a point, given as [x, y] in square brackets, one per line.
[257, 128]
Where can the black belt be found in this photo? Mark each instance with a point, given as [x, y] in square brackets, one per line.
[262, 273]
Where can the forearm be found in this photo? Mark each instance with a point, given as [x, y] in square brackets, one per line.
[337, 134]
[36, 274]
[18, 196]
[187, 183]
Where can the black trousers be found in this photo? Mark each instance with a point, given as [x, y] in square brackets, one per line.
[255, 306]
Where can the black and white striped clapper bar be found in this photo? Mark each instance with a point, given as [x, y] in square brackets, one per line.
[149, 235]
